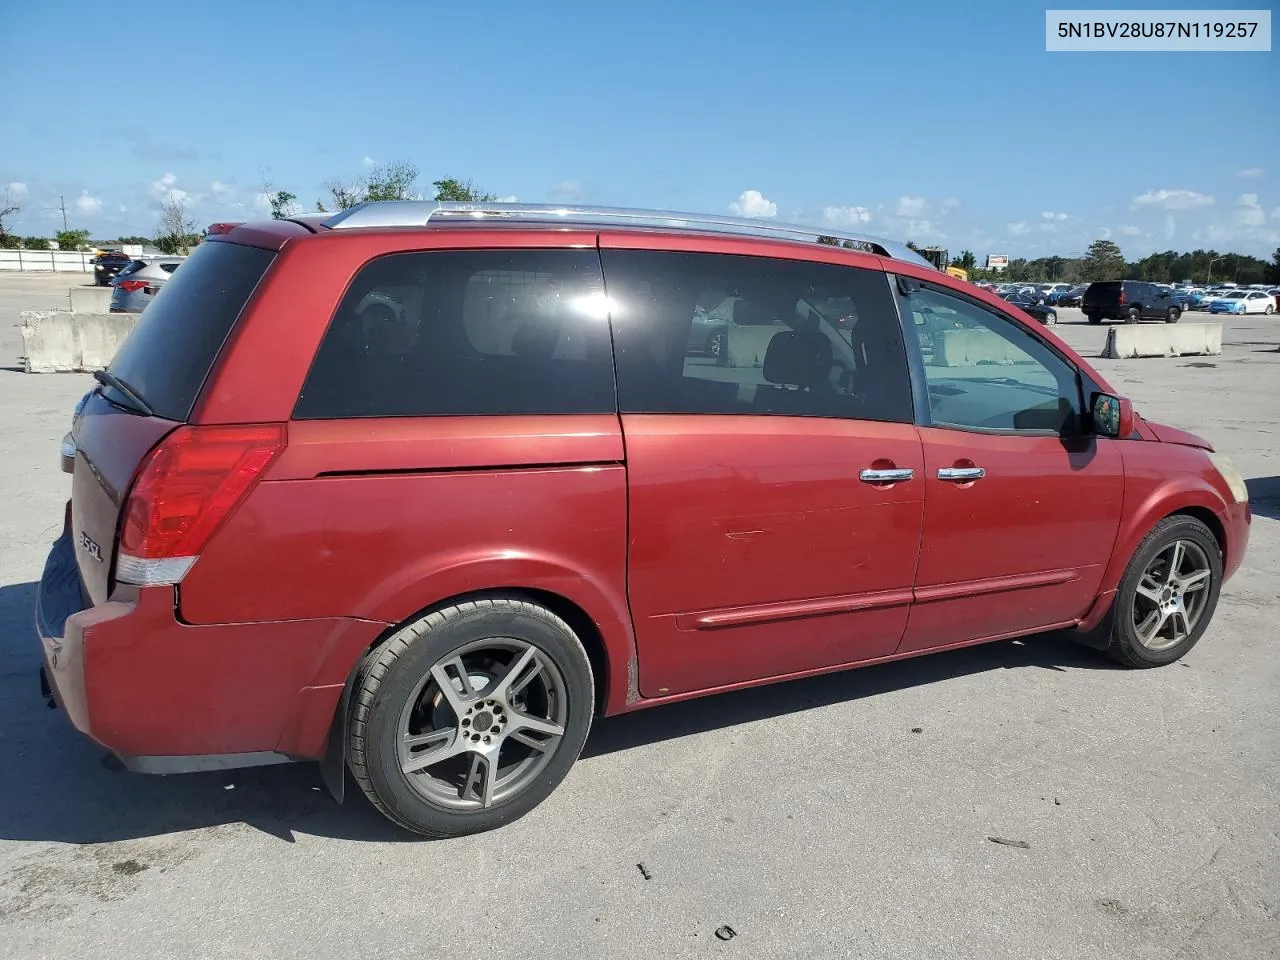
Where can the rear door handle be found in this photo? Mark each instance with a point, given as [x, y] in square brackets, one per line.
[895, 475]
[961, 474]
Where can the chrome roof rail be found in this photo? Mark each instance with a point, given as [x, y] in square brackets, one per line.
[406, 213]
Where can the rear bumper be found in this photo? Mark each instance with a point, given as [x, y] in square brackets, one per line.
[168, 697]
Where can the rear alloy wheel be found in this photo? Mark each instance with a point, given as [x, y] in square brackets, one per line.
[470, 717]
[1270, 310]
[1168, 594]
[1133, 315]
[1050, 319]
[1173, 315]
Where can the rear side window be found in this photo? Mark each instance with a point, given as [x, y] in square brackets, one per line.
[172, 349]
[466, 333]
[724, 334]
[1105, 290]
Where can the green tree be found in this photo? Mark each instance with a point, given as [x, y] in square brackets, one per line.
[72, 239]
[1275, 266]
[823, 238]
[965, 261]
[391, 181]
[461, 190]
[9, 241]
[283, 204]
[138, 241]
[35, 243]
[1104, 261]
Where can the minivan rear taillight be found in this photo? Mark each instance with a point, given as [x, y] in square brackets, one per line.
[1121, 300]
[131, 286]
[187, 486]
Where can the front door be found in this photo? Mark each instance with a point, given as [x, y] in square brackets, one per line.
[775, 496]
[1021, 507]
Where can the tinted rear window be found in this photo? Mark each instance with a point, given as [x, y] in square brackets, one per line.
[178, 336]
[466, 333]
[1103, 290]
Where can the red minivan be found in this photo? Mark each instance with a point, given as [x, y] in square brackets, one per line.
[418, 490]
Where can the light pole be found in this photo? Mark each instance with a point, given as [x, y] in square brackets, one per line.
[1209, 273]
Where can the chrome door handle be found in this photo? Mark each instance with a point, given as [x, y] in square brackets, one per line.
[896, 475]
[961, 474]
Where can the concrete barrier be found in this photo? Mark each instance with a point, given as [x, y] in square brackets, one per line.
[748, 344]
[1163, 340]
[72, 342]
[90, 299]
[968, 348]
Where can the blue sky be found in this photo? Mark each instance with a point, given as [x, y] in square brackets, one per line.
[937, 122]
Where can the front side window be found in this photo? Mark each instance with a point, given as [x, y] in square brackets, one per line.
[723, 334]
[466, 333]
[988, 372]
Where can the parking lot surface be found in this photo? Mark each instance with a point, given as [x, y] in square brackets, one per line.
[845, 816]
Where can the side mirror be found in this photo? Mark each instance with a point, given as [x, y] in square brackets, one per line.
[1112, 416]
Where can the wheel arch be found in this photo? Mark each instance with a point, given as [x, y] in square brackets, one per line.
[333, 763]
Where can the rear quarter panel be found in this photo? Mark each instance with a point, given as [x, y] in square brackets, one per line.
[383, 518]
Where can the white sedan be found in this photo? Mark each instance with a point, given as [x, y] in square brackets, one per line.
[1244, 301]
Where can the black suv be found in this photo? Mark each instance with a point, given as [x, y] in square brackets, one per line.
[108, 265]
[1130, 301]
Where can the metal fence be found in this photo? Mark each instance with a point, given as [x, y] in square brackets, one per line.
[48, 261]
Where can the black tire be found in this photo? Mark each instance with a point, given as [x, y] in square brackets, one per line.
[1094, 317]
[1269, 311]
[1133, 315]
[392, 674]
[1173, 315]
[1124, 645]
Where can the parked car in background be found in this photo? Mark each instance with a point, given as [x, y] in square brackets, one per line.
[136, 287]
[107, 266]
[1031, 305]
[1244, 301]
[1201, 299]
[1129, 301]
[1072, 296]
[431, 561]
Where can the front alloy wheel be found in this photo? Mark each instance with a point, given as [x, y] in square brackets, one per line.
[1168, 594]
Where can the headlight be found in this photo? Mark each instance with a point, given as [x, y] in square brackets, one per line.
[1232, 476]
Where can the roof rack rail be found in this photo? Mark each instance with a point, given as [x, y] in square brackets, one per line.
[406, 213]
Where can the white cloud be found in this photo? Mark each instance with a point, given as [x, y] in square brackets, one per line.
[1170, 227]
[1250, 173]
[1126, 230]
[921, 229]
[1019, 228]
[1058, 217]
[222, 192]
[368, 161]
[567, 189]
[90, 206]
[948, 204]
[262, 202]
[1275, 214]
[1173, 199]
[752, 203]
[1248, 211]
[17, 189]
[166, 189]
[845, 216]
[509, 199]
[1106, 233]
[912, 206]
